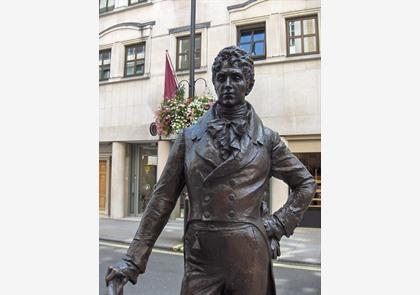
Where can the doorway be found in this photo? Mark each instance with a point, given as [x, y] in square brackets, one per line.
[143, 176]
[312, 162]
[102, 185]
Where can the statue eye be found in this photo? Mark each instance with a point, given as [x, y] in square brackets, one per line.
[237, 77]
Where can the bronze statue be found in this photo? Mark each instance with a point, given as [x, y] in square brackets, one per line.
[226, 161]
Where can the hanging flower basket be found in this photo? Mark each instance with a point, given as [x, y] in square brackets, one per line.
[177, 113]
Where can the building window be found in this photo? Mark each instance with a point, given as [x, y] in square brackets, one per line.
[182, 52]
[106, 5]
[104, 64]
[134, 60]
[252, 40]
[133, 2]
[302, 35]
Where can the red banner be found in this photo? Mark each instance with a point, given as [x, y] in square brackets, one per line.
[170, 82]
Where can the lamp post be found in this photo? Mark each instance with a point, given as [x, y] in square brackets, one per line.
[192, 49]
[192, 86]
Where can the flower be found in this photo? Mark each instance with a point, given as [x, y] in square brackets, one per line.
[178, 113]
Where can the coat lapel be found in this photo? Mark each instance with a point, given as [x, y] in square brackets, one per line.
[207, 151]
[203, 145]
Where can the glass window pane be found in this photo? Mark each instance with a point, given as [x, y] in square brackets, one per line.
[183, 62]
[309, 44]
[140, 69]
[102, 4]
[184, 45]
[140, 55]
[259, 35]
[197, 43]
[197, 60]
[246, 47]
[106, 55]
[294, 28]
[130, 68]
[130, 53]
[105, 74]
[308, 26]
[139, 48]
[259, 48]
[295, 46]
[245, 37]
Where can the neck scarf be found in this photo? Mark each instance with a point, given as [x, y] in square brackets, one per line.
[228, 128]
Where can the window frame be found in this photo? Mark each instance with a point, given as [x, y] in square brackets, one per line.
[107, 8]
[302, 35]
[138, 2]
[253, 27]
[135, 59]
[102, 64]
[187, 37]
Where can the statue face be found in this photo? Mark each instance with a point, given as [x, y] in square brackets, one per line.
[230, 85]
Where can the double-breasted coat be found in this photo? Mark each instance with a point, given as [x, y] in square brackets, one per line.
[223, 191]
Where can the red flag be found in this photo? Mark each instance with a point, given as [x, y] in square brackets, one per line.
[170, 82]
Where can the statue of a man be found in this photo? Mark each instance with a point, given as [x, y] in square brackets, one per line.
[226, 161]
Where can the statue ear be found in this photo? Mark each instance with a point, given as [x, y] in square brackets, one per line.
[250, 86]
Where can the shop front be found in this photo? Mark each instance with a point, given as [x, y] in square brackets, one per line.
[143, 176]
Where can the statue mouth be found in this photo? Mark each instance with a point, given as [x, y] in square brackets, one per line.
[228, 94]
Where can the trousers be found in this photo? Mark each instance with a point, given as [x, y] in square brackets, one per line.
[225, 259]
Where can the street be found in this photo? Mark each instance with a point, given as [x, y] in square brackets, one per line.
[165, 270]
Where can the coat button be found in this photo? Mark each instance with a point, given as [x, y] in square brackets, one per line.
[207, 198]
[231, 213]
[231, 197]
[206, 214]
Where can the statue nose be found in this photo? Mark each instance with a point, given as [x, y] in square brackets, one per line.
[228, 82]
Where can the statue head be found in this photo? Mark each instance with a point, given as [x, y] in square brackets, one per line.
[232, 75]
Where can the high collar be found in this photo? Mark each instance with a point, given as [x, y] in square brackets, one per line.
[255, 129]
[231, 113]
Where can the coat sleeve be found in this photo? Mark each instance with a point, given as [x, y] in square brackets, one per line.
[287, 167]
[157, 212]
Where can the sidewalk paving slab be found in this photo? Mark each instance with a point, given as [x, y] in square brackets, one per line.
[304, 246]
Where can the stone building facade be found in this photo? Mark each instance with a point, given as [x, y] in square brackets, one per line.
[283, 35]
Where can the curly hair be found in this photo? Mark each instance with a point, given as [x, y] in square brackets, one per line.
[235, 56]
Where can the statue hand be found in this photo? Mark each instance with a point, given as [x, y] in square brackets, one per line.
[115, 281]
[273, 228]
[274, 232]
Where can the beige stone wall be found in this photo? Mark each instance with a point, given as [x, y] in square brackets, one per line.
[287, 90]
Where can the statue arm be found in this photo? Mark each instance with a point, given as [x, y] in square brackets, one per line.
[157, 212]
[287, 167]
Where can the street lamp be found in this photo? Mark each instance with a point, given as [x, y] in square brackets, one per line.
[192, 49]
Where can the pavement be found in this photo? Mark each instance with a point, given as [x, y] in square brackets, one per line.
[304, 246]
